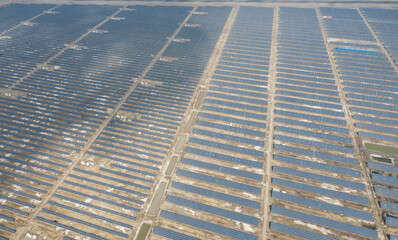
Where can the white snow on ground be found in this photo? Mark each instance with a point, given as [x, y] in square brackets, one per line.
[313, 226]
[238, 209]
[249, 195]
[87, 200]
[87, 164]
[121, 228]
[35, 202]
[16, 187]
[330, 200]
[328, 186]
[82, 238]
[127, 211]
[248, 228]
[28, 235]
[335, 188]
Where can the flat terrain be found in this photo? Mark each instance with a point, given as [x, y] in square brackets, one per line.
[199, 120]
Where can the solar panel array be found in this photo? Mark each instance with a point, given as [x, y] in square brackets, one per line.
[316, 178]
[14, 14]
[95, 101]
[132, 148]
[64, 107]
[370, 85]
[222, 166]
[385, 23]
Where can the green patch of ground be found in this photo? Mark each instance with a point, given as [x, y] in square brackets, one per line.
[143, 231]
[381, 148]
[386, 160]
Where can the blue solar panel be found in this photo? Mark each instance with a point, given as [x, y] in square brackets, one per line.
[310, 96]
[224, 157]
[311, 125]
[213, 210]
[298, 232]
[308, 102]
[236, 105]
[318, 177]
[219, 181]
[313, 134]
[237, 98]
[393, 237]
[325, 222]
[316, 154]
[389, 206]
[70, 228]
[372, 98]
[386, 191]
[97, 216]
[172, 234]
[378, 136]
[208, 226]
[217, 195]
[85, 223]
[314, 143]
[227, 147]
[323, 205]
[228, 137]
[320, 191]
[392, 221]
[230, 128]
[385, 179]
[318, 165]
[310, 109]
[219, 168]
[383, 166]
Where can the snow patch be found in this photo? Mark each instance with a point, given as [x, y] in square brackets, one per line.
[247, 227]
[121, 228]
[28, 235]
[329, 186]
[330, 200]
[238, 209]
[87, 164]
[249, 195]
[313, 226]
[16, 187]
[35, 202]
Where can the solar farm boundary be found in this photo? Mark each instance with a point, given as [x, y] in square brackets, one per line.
[270, 123]
[28, 20]
[360, 151]
[30, 220]
[195, 104]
